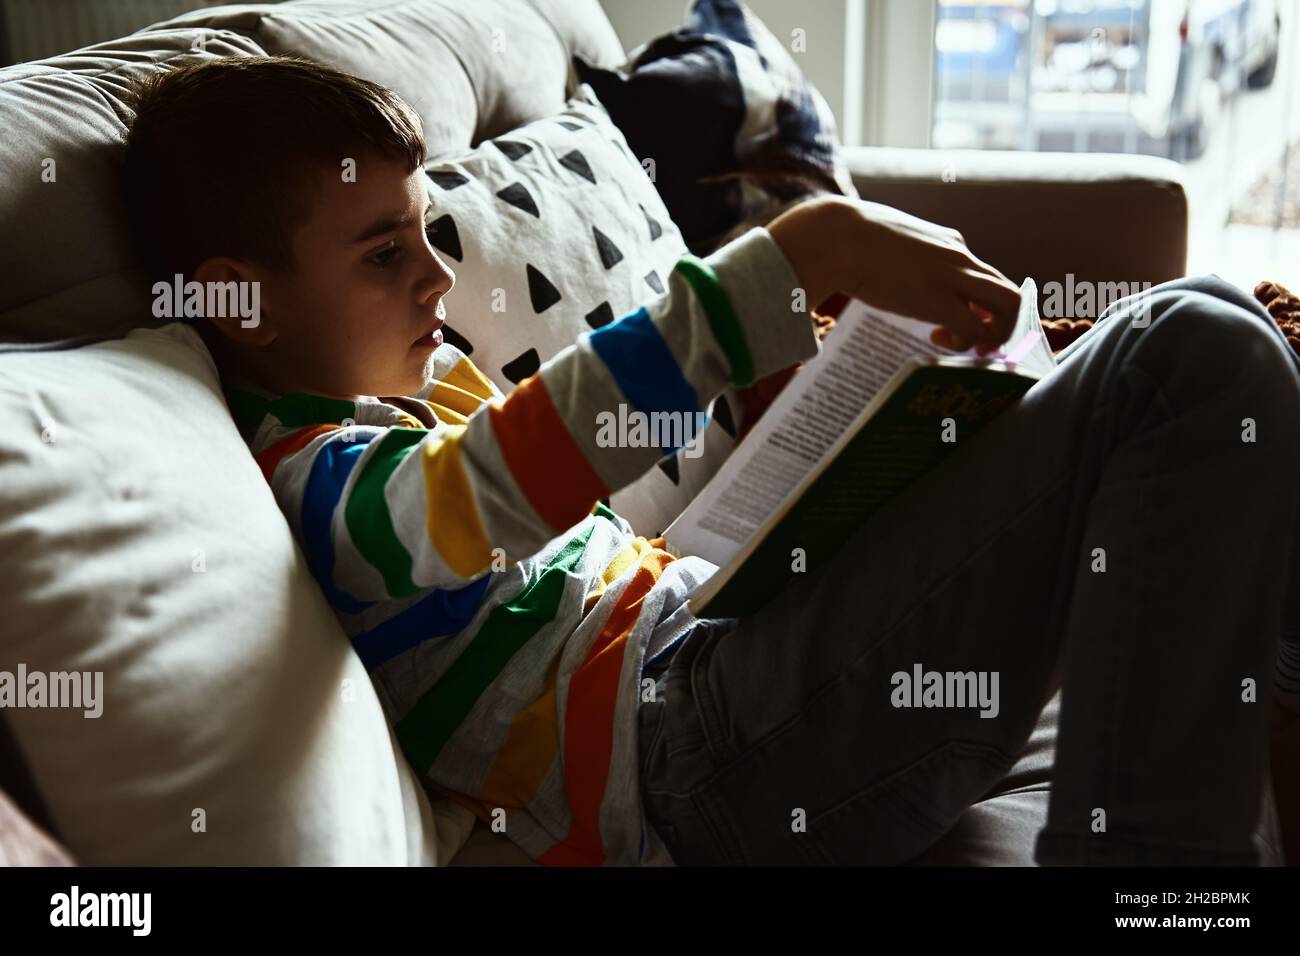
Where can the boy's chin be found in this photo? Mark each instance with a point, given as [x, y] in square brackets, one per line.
[420, 380]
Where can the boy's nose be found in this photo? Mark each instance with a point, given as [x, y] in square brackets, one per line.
[440, 279]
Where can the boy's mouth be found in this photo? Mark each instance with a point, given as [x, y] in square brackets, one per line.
[432, 338]
[429, 339]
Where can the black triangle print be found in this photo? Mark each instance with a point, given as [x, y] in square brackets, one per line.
[567, 125]
[448, 179]
[656, 230]
[669, 467]
[451, 337]
[610, 256]
[722, 415]
[600, 316]
[512, 149]
[540, 291]
[520, 198]
[575, 161]
[653, 281]
[522, 366]
[445, 237]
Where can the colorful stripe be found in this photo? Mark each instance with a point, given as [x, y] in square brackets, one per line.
[629, 556]
[329, 475]
[272, 455]
[523, 763]
[442, 613]
[452, 519]
[247, 409]
[368, 519]
[589, 720]
[547, 464]
[293, 410]
[643, 366]
[722, 317]
[439, 712]
[462, 390]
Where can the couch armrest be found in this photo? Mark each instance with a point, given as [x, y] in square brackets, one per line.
[1102, 217]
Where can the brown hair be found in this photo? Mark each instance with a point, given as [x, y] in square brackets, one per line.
[220, 154]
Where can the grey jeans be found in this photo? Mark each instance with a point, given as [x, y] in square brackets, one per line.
[1126, 528]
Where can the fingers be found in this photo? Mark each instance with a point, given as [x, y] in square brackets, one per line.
[994, 293]
[991, 341]
[979, 306]
[959, 334]
[994, 299]
[944, 338]
[959, 327]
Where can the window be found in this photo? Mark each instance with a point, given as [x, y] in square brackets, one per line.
[1211, 84]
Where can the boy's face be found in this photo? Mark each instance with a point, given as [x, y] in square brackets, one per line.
[360, 311]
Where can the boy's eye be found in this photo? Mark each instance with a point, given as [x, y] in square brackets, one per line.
[385, 256]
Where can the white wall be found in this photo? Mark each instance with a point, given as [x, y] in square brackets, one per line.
[897, 76]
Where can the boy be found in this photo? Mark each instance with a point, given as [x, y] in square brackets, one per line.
[513, 625]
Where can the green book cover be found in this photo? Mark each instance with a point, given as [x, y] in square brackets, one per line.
[902, 441]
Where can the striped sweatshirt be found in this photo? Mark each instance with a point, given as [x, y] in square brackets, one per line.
[505, 614]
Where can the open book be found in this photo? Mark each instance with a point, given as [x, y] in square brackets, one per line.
[877, 407]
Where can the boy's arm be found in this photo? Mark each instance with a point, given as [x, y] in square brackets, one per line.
[386, 512]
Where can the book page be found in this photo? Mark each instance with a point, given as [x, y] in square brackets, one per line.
[860, 355]
[894, 441]
[1028, 346]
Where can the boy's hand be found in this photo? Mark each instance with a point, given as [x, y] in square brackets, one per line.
[899, 263]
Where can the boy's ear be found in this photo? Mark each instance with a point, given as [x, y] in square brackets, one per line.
[255, 329]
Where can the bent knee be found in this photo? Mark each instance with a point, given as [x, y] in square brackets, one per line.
[1227, 340]
[1212, 285]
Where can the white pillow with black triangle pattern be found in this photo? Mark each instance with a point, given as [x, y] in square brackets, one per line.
[555, 229]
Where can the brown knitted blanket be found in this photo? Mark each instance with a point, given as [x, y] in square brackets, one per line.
[1281, 303]
[1284, 306]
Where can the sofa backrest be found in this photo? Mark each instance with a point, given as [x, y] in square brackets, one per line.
[471, 69]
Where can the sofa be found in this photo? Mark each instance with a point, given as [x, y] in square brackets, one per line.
[138, 538]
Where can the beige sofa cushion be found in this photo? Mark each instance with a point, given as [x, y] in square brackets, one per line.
[470, 70]
[139, 540]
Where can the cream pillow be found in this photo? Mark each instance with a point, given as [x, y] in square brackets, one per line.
[555, 229]
[140, 542]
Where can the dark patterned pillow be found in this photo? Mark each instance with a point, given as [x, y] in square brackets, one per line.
[723, 117]
[554, 229]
